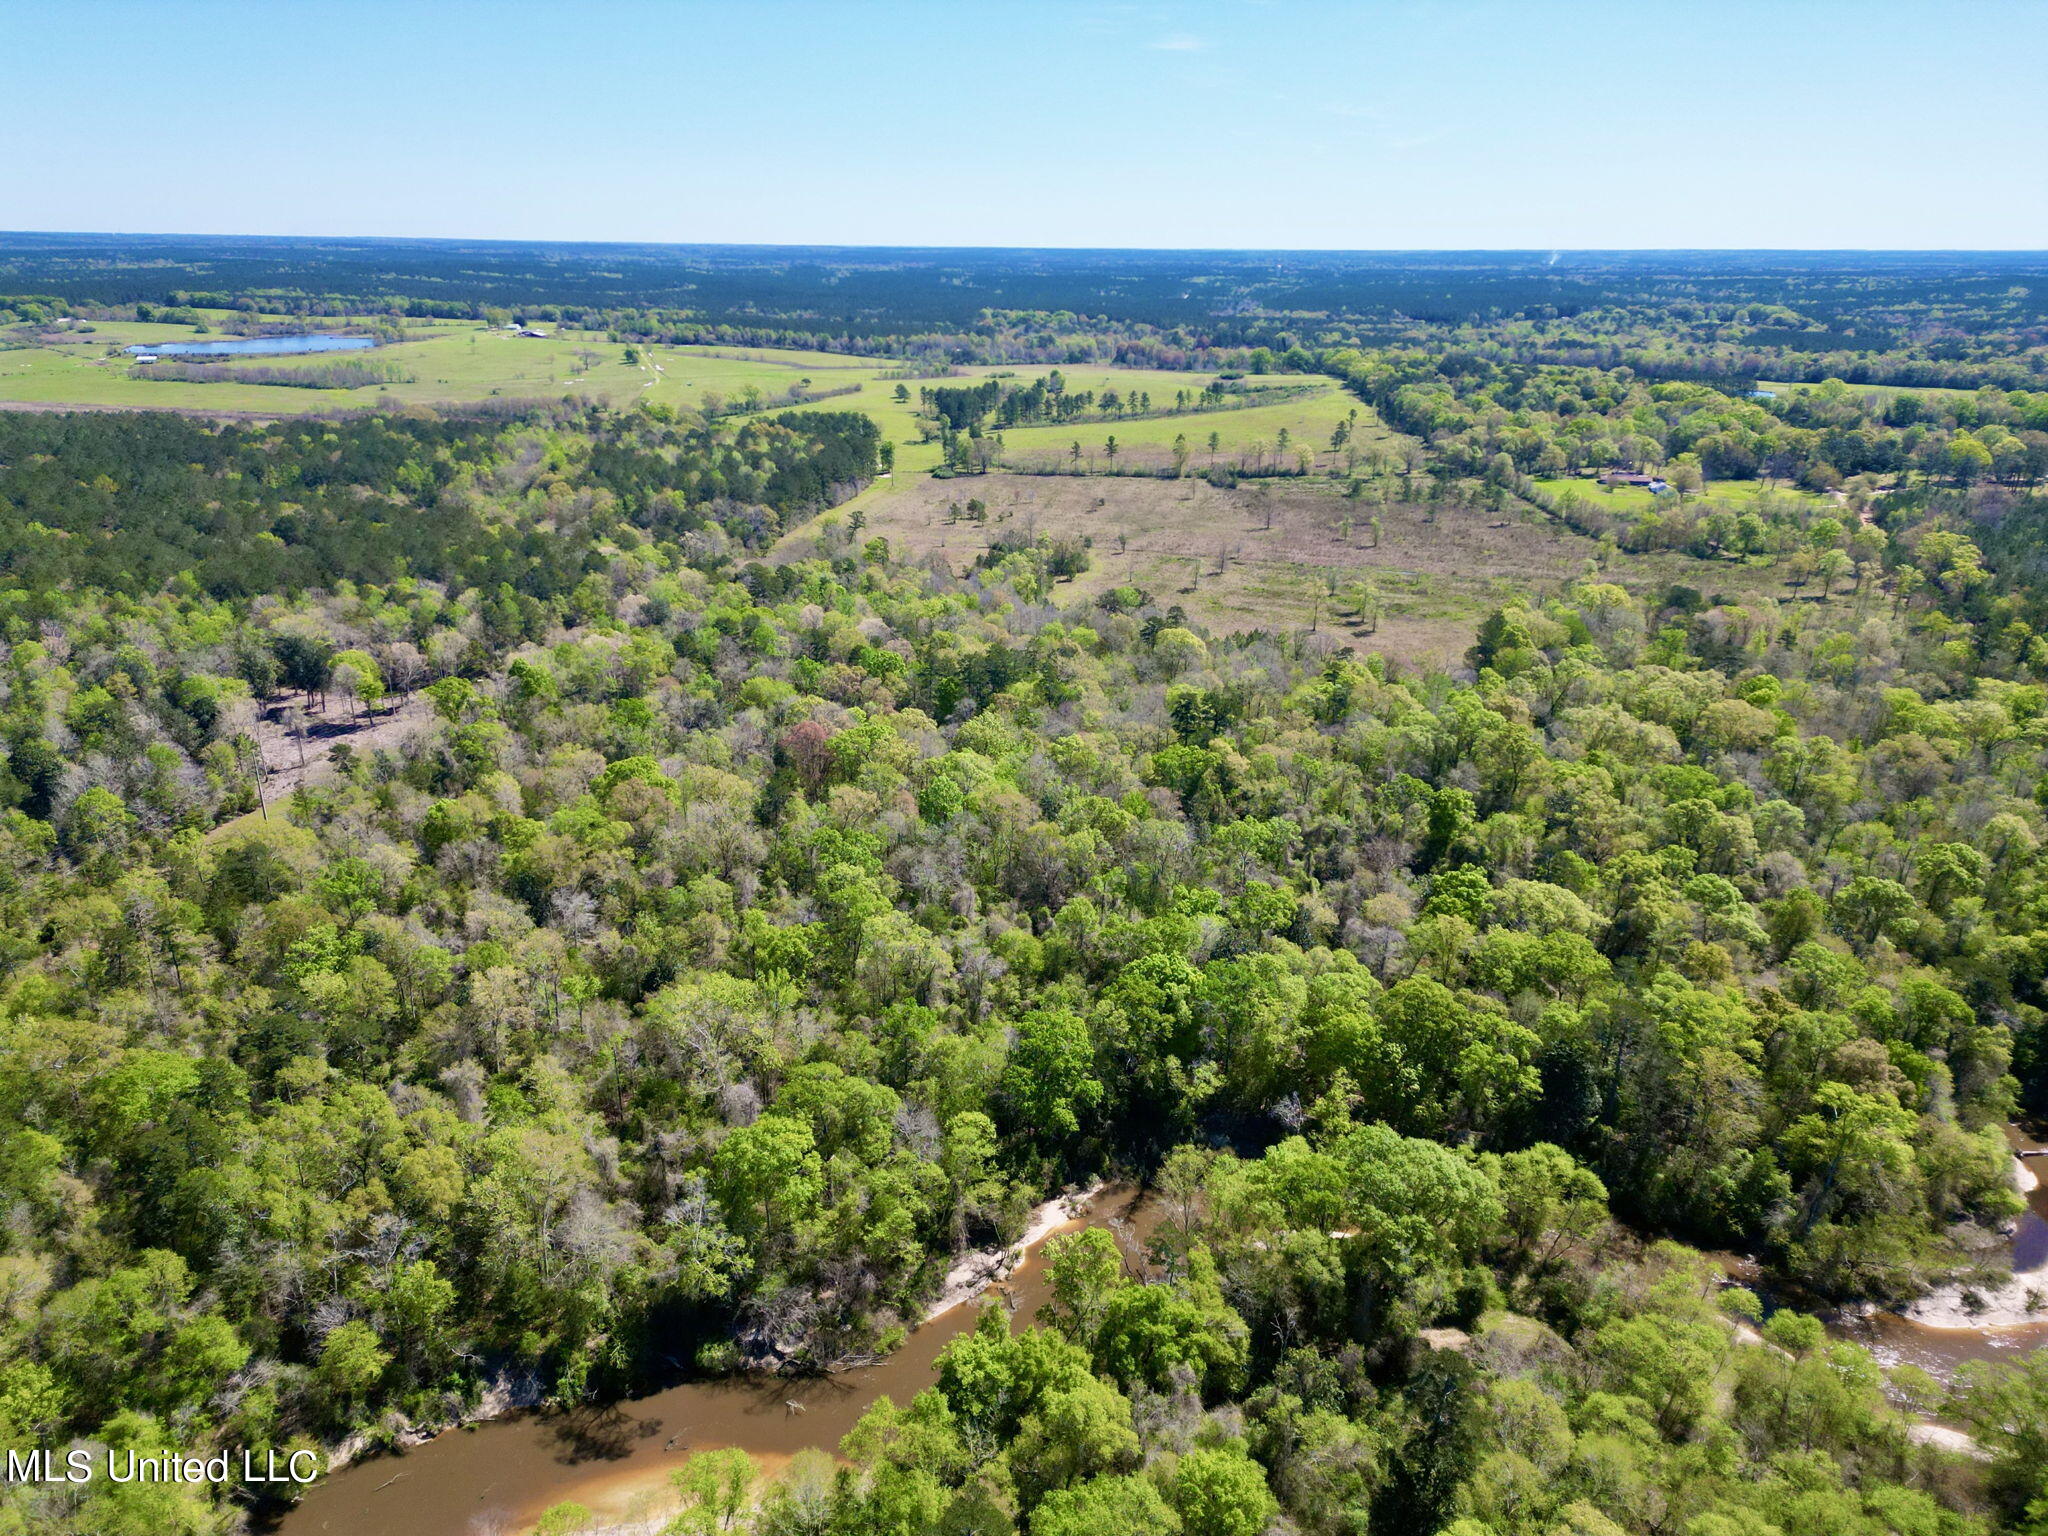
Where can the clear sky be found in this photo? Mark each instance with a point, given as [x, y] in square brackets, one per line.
[1264, 123]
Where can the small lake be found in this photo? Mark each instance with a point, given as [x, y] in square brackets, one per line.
[256, 346]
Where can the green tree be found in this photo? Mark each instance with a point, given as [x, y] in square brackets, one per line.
[355, 676]
[352, 1362]
[1049, 1080]
[1221, 1492]
[716, 1488]
[768, 1178]
[1128, 1506]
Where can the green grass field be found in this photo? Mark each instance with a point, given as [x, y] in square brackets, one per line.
[1308, 418]
[455, 361]
[1629, 498]
[458, 361]
[447, 361]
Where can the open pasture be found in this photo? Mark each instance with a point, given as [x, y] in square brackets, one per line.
[442, 362]
[1739, 494]
[438, 362]
[1308, 412]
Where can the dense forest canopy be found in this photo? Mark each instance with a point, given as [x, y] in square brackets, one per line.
[749, 918]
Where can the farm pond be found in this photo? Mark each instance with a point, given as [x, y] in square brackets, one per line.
[254, 346]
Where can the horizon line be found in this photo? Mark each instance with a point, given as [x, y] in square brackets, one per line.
[920, 246]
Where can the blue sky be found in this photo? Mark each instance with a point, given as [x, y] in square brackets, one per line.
[1267, 123]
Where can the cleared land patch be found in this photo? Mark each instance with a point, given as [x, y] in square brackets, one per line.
[1434, 572]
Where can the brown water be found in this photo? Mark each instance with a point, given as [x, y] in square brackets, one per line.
[1940, 1351]
[499, 1476]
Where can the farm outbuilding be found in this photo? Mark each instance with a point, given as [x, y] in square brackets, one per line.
[1651, 483]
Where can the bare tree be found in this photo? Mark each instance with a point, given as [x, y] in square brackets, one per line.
[403, 666]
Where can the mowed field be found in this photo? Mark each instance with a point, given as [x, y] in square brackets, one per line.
[1738, 494]
[439, 362]
[450, 362]
[1437, 572]
[1312, 410]
[1310, 413]
[443, 362]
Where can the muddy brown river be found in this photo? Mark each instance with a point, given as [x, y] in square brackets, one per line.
[499, 1476]
[1947, 1339]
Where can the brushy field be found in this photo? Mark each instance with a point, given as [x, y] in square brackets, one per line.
[1273, 553]
[1435, 572]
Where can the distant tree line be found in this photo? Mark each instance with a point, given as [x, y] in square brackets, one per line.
[337, 375]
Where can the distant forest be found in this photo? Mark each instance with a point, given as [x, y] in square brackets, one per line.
[1924, 318]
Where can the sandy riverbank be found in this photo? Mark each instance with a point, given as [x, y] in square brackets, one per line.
[2018, 1302]
[978, 1270]
[614, 1459]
